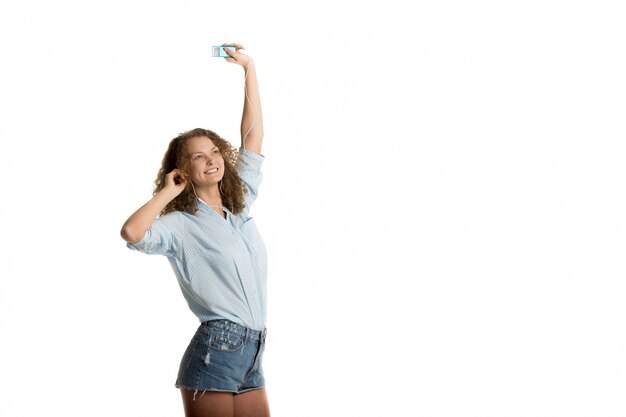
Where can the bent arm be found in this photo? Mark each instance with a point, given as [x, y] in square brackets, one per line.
[252, 119]
[140, 221]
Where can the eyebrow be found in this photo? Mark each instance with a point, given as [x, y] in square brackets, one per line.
[215, 147]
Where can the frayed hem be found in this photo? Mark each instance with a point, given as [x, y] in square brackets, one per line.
[249, 389]
[208, 389]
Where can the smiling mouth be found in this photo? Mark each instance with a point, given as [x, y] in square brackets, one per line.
[211, 171]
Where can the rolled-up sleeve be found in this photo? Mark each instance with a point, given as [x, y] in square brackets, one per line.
[249, 170]
[160, 239]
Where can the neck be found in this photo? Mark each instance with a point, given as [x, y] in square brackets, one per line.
[210, 195]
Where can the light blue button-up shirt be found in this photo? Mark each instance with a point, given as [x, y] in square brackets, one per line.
[220, 264]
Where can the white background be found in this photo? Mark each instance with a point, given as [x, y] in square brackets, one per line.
[443, 202]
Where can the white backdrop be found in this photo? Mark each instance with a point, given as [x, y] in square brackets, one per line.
[443, 202]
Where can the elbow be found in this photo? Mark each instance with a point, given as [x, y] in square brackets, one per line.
[129, 235]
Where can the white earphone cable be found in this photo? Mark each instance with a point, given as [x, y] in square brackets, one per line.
[243, 140]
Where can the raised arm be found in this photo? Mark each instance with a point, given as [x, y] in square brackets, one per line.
[140, 221]
[252, 119]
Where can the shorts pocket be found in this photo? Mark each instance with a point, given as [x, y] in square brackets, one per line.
[225, 341]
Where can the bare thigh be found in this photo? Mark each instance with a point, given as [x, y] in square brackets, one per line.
[252, 404]
[207, 404]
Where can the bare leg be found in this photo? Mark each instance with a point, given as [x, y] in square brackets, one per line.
[207, 404]
[252, 404]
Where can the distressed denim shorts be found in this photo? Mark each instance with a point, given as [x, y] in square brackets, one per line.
[223, 356]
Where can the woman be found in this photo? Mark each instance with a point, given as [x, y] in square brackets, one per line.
[203, 195]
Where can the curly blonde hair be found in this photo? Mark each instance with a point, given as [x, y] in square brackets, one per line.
[232, 189]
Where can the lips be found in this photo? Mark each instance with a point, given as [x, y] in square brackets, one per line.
[211, 171]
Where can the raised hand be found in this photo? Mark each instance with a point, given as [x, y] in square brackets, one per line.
[176, 181]
[237, 57]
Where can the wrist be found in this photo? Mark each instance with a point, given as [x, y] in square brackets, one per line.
[168, 193]
[249, 65]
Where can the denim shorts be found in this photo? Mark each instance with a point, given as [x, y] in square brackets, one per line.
[223, 356]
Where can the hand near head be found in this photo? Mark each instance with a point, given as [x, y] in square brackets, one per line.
[237, 57]
[175, 181]
[140, 221]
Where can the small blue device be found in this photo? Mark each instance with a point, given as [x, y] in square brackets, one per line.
[218, 51]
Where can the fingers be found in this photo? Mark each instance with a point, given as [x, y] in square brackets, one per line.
[235, 57]
[238, 46]
[231, 54]
[177, 176]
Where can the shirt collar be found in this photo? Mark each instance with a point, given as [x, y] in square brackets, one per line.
[205, 206]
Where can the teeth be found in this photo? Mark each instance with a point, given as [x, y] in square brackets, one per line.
[210, 171]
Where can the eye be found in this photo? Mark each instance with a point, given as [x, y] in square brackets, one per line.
[216, 151]
[198, 157]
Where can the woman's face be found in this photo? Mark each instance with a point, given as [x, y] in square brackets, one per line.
[205, 162]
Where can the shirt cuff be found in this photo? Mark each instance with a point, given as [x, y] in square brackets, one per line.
[252, 155]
